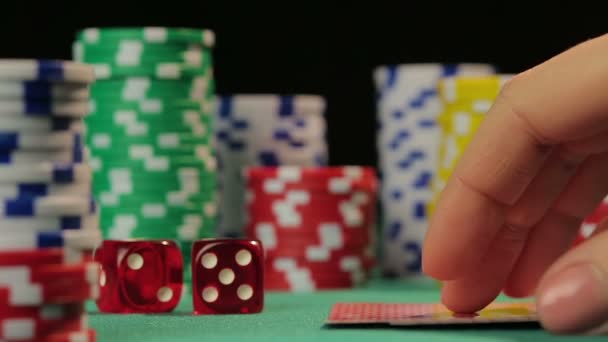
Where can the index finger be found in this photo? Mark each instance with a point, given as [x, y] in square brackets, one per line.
[561, 100]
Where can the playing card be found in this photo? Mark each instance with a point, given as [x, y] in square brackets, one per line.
[410, 314]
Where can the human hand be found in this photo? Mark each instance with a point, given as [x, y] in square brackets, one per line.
[514, 204]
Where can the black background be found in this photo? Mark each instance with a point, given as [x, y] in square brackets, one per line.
[325, 47]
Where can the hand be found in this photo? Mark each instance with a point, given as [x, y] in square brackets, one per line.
[514, 204]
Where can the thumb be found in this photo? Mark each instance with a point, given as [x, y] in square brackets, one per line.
[572, 296]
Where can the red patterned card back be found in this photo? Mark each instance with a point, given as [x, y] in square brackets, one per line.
[428, 314]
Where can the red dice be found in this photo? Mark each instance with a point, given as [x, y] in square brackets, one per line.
[139, 276]
[227, 276]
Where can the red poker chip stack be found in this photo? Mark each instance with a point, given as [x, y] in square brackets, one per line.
[43, 294]
[591, 221]
[316, 225]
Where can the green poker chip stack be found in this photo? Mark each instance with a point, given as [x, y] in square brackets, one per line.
[150, 132]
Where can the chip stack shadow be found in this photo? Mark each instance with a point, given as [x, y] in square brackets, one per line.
[151, 132]
[49, 224]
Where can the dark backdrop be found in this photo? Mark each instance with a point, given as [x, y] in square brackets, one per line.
[325, 47]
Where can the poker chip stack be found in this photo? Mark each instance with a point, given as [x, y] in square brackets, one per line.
[264, 130]
[408, 108]
[48, 219]
[316, 225]
[466, 101]
[151, 137]
[590, 222]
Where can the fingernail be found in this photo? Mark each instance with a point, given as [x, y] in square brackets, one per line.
[573, 300]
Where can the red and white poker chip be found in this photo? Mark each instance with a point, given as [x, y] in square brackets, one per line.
[316, 225]
[41, 311]
[87, 272]
[85, 335]
[55, 293]
[44, 256]
[334, 180]
[53, 283]
[298, 173]
[590, 223]
[35, 327]
[305, 282]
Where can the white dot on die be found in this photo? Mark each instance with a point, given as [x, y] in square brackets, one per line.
[102, 278]
[164, 294]
[244, 292]
[243, 257]
[210, 294]
[226, 276]
[135, 261]
[209, 260]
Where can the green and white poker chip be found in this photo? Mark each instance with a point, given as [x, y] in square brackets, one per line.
[151, 35]
[150, 130]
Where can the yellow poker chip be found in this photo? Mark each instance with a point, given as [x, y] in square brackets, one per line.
[466, 101]
[461, 88]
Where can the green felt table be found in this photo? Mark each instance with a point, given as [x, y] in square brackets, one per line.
[300, 317]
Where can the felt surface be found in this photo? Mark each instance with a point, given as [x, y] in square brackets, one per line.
[301, 317]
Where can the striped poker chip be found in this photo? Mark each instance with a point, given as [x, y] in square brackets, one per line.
[51, 293]
[335, 181]
[313, 239]
[72, 152]
[43, 90]
[331, 233]
[84, 335]
[591, 221]
[45, 70]
[29, 322]
[72, 238]
[295, 174]
[44, 189]
[45, 311]
[53, 206]
[45, 172]
[50, 284]
[286, 282]
[48, 224]
[35, 327]
[40, 257]
[301, 276]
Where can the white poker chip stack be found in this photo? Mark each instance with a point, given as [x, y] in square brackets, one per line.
[408, 144]
[263, 130]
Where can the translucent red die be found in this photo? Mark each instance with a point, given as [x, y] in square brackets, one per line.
[227, 276]
[139, 276]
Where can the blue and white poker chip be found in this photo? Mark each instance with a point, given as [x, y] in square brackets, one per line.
[47, 206]
[45, 70]
[43, 90]
[81, 239]
[74, 155]
[42, 124]
[62, 108]
[58, 223]
[30, 190]
[59, 173]
[40, 141]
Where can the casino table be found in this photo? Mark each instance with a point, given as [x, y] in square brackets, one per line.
[300, 317]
